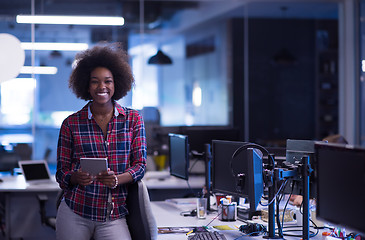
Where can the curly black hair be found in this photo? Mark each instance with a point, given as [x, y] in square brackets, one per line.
[110, 56]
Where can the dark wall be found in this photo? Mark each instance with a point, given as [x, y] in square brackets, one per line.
[281, 94]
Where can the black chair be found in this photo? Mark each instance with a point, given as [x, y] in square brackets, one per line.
[9, 161]
[49, 221]
[141, 222]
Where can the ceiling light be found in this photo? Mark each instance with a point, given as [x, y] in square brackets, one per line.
[160, 58]
[54, 46]
[70, 20]
[38, 70]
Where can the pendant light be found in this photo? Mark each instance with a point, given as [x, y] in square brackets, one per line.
[160, 58]
[284, 57]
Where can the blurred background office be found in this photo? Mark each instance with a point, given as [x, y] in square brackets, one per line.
[260, 71]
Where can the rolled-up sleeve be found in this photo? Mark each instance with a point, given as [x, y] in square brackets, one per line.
[138, 149]
[64, 153]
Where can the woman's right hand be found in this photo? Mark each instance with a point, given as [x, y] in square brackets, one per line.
[81, 178]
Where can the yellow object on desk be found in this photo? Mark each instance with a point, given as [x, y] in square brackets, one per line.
[160, 161]
[225, 227]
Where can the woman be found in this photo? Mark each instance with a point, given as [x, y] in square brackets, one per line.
[95, 206]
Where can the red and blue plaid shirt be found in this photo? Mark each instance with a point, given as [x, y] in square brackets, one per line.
[125, 147]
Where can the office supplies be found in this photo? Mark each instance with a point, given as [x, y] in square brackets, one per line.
[207, 236]
[227, 212]
[186, 230]
[253, 229]
[36, 171]
[201, 207]
[94, 165]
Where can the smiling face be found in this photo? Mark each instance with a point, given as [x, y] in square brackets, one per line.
[101, 85]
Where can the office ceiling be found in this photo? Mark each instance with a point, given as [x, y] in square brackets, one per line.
[155, 14]
[158, 15]
[160, 11]
[129, 9]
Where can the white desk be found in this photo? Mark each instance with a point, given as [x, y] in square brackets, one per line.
[167, 214]
[17, 184]
[22, 217]
[162, 186]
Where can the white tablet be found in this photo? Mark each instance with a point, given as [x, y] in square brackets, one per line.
[94, 165]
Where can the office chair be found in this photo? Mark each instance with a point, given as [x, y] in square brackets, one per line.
[8, 161]
[49, 221]
[23, 150]
[141, 222]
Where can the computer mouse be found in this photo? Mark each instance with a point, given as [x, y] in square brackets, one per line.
[190, 214]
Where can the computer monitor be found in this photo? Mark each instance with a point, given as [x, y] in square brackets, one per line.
[248, 162]
[255, 178]
[179, 155]
[295, 151]
[340, 185]
[199, 136]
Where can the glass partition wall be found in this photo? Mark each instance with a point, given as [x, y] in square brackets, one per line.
[362, 71]
[269, 69]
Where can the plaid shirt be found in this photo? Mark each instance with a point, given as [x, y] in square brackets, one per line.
[126, 150]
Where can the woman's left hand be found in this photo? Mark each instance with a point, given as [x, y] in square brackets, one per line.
[108, 178]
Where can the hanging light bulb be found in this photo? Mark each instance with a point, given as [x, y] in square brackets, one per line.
[284, 57]
[160, 58]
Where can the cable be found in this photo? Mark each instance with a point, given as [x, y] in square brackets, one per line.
[280, 230]
[281, 187]
[281, 226]
[253, 229]
[286, 204]
[243, 147]
[278, 200]
[298, 235]
[191, 190]
[252, 145]
[213, 219]
[300, 228]
[191, 167]
[250, 235]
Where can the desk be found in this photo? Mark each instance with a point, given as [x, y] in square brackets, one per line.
[22, 217]
[162, 186]
[167, 214]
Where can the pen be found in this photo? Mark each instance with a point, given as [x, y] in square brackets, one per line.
[190, 232]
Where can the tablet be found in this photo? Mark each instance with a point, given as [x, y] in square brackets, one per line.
[94, 165]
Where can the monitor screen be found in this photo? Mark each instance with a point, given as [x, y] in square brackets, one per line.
[255, 178]
[199, 136]
[223, 180]
[248, 162]
[179, 155]
[340, 185]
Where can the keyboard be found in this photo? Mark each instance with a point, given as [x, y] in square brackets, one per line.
[207, 236]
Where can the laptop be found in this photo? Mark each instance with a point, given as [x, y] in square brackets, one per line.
[36, 172]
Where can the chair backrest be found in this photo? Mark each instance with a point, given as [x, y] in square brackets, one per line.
[141, 222]
[8, 161]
